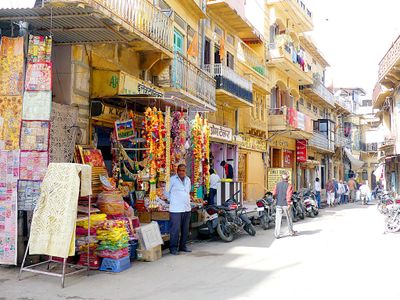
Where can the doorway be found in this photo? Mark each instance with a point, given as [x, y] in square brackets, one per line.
[242, 172]
[276, 158]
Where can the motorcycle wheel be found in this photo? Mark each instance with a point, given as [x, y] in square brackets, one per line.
[224, 231]
[249, 228]
[301, 214]
[264, 222]
[392, 225]
[310, 214]
[315, 212]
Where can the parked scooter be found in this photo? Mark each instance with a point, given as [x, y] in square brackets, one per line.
[266, 210]
[310, 203]
[392, 220]
[297, 207]
[228, 219]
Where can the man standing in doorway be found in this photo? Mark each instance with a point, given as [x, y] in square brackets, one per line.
[179, 198]
[283, 193]
[228, 169]
[353, 189]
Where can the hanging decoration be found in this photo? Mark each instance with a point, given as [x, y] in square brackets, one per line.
[168, 146]
[206, 156]
[124, 130]
[11, 66]
[197, 144]
[179, 136]
[39, 49]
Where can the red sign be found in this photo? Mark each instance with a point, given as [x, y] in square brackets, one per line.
[301, 150]
[292, 117]
[288, 159]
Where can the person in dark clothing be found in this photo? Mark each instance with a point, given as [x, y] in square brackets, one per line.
[228, 169]
[283, 192]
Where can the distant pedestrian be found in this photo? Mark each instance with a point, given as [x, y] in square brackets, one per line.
[317, 189]
[353, 189]
[228, 169]
[341, 192]
[330, 192]
[346, 192]
[283, 192]
[336, 185]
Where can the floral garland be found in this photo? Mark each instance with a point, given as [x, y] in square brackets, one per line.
[155, 140]
[206, 159]
[179, 135]
[197, 144]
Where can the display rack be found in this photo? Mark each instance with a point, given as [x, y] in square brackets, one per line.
[68, 269]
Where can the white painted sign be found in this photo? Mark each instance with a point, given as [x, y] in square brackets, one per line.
[221, 132]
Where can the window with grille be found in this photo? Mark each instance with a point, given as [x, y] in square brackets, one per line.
[315, 109]
[308, 105]
[230, 60]
[301, 101]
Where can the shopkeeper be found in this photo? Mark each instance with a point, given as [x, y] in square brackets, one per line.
[228, 169]
[179, 199]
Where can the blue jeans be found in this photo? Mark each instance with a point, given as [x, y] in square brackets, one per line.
[212, 194]
[342, 198]
[318, 196]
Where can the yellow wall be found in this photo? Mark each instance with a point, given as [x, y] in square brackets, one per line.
[224, 116]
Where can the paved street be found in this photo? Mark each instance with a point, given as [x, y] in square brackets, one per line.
[343, 254]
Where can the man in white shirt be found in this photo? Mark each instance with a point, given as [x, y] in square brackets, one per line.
[179, 208]
[214, 180]
[317, 189]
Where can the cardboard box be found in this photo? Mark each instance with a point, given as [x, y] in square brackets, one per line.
[144, 217]
[153, 254]
[149, 236]
[160, 216]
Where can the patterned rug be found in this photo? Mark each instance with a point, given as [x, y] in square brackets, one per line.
[10, 120]
[36, 105]
[11, 66]
[35, 135]
[9, 166]
[33, 165]
[63, 132]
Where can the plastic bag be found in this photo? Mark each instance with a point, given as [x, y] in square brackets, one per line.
[111, 203]
[113, 254]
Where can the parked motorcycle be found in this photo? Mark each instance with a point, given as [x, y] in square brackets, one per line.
[266, 210]
[392, 220]
[228, 219]
[310, 203]
[297, 207]
[384, 199]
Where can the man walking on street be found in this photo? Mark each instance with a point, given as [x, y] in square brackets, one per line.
[352, 184]
[330, 192]
[179, 198]
[283, 192]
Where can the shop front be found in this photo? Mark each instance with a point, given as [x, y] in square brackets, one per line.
[282, 152]
[224, 148]
[252, 166]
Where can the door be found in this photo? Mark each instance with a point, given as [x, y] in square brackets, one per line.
[178, 74]
[276, 158]
[207, 52]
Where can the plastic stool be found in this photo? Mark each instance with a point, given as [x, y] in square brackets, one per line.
[115, 265]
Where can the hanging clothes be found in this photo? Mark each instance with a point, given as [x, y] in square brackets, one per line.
[53, 223]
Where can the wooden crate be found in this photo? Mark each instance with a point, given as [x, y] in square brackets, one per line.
[144, 217]
[160, 215]
[153, 254]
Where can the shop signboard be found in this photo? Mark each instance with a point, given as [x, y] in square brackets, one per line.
[220, 132]
[111, 83]
[253, 143]
[301, 151]
[275, 175]
[288, 158]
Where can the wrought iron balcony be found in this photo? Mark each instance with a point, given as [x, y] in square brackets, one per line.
[298, 11]
[187, 81]
[236, 87]
[318, 92]
[284, 56]
[342, 141]
[390, 64]
[369, 147]
[321, 141]
[102, 21]
[251, 59]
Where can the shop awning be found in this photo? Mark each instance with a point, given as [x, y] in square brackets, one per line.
[380, 172]
[356, 164]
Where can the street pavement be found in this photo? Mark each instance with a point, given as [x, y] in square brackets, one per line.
[341, 254]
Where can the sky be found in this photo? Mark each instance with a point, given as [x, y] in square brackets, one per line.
[353, 36]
